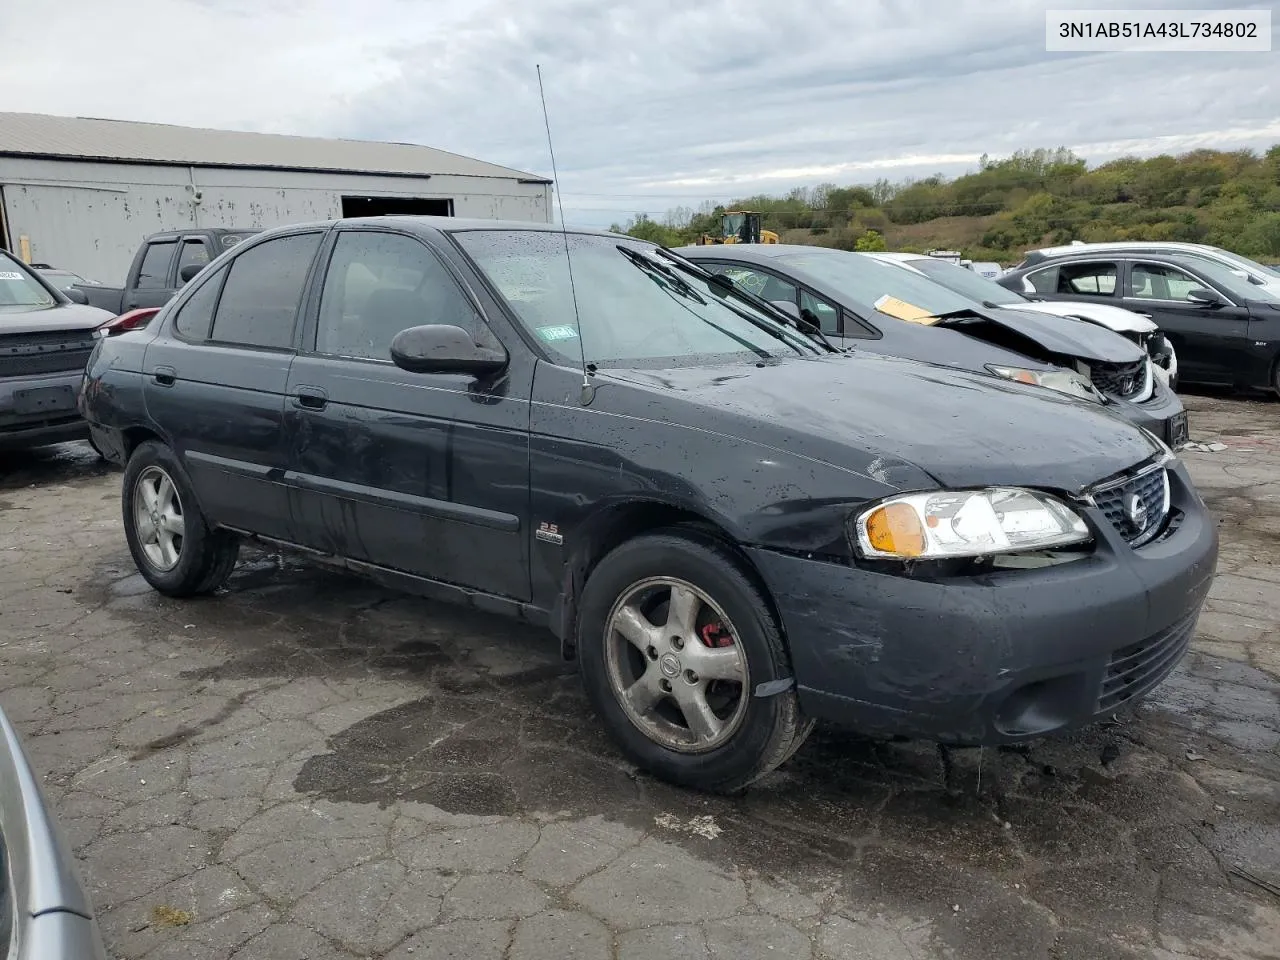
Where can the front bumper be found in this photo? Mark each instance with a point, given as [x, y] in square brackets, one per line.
[1162, 414]
[35, 411]
[999, 657]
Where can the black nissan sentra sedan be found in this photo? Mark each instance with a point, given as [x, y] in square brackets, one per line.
[736, 528]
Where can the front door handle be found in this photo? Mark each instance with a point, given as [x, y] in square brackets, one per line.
[165, 376]
[312, 398]
[1147, 315]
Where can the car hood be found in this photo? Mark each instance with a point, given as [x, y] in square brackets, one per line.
[1065, 336]
[64, 316]
[1113, 318]
[960, 428]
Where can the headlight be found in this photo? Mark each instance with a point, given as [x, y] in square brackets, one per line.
[1064, 381]
[966, 523]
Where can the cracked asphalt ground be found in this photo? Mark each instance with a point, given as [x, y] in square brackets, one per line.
[306, 766]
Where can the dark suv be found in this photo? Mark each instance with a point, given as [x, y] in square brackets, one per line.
[736, 528]
[1226, 330]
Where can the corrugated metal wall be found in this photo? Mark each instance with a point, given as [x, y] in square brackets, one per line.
[91, 217]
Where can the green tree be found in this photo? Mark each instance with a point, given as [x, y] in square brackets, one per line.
[870, 242]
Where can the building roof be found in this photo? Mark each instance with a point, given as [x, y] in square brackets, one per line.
[125, 141]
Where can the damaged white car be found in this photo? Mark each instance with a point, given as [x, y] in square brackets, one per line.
[1141, 330]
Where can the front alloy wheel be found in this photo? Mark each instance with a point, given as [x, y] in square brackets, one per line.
[676, 665]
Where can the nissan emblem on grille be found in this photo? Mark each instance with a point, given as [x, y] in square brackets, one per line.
[1136, 510]
[1138, 506]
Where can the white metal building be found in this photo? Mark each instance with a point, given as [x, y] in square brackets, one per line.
[81, 193]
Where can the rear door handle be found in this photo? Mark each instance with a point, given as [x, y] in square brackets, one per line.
[313, 398]
[165, 376]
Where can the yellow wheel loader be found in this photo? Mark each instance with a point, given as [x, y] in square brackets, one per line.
[740, 226]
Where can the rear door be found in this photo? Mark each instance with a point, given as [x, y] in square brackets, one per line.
[216, 378]
[1212, 342]
[423, 473]
[153, 285]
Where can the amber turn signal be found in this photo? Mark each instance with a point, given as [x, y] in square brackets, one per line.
[895, 528]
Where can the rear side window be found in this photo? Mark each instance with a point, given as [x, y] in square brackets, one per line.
[1092, 279]
[195, 317]
[259, 302]
[154, 272]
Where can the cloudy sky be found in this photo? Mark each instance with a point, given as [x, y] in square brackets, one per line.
[653, 104]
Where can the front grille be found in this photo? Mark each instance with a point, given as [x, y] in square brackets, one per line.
[1122, 380]
[1136, 507]
[31, 354]
[1139, 667]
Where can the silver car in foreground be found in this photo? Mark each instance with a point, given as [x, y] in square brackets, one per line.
[44, 913]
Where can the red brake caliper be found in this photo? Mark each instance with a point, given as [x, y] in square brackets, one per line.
[715, 635]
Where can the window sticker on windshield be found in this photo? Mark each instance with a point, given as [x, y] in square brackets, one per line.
[554, 333]
[902, 310]
[10, 275]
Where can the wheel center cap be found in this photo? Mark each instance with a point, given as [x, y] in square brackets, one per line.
[669, 664]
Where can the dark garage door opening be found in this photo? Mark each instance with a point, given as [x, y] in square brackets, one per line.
[391, 206]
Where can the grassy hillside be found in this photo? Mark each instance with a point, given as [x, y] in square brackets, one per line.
[1034, 198]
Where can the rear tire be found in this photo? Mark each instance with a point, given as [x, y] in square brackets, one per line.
[172, 544]
[699, 638]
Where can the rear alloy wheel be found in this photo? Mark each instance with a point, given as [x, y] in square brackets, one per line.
[674, 639]
[172, 545]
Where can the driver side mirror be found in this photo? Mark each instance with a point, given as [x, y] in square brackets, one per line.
[444, 348]
[189, 271]
[76, 295]
[1203, 297]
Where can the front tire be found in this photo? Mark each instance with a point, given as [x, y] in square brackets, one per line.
[172, 544]
[673, 639]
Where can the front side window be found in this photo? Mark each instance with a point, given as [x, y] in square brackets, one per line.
[153, 274]
[378, 284]
[637, 306]
[828, 315]
[18, 289]
[1087, 279]
[1155, 281]
[259, 302]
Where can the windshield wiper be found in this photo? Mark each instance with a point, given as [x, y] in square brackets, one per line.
[679, 282]
[812, 330]
[668, 275]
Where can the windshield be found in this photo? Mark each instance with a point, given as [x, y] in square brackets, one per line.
[965, 282]
[1251, 265]
[18, 289]
[635, 307]
[1238, 287]
[861, 281]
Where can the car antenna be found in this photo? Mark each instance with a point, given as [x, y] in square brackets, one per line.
[588, 391]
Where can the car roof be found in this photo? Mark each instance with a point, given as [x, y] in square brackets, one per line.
[1176, 257]
[758, 251]
[452, 225]
[188, 231]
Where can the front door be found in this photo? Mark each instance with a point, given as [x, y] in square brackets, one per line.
[1212, 341]
[216, 380]
[424, 473]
